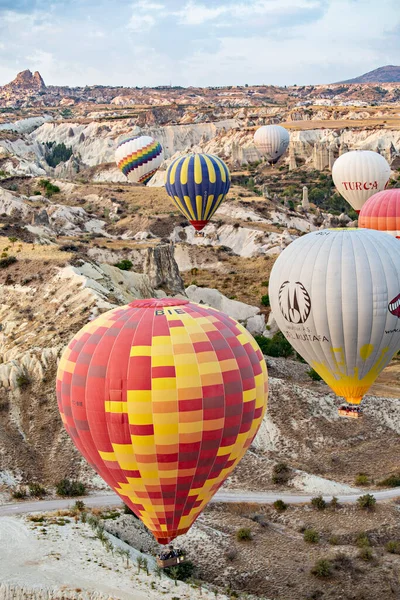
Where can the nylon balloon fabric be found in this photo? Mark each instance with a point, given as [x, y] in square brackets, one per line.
[335, 295]
[198, 184]
[139, 158]
[382, 212]
[163, 398]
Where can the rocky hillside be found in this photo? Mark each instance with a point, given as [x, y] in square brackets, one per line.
[387, 74]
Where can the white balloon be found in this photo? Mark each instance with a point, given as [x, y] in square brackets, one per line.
[335, 295]
[359, 174]
[272, 141]
[139, 158]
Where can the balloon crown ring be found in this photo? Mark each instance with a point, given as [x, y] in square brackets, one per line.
[158, 302]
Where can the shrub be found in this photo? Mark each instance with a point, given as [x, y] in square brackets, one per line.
[366, 553]
[277, 346]
[391, 481]
[393, 546]
[362, 540]
[244, 534]
[231, 554]
[322, 568]
[124, 265]
[265, 300]
[281, 473]
[79, 505]
[49, 188]
[334, 503]
[318, 503]
[67, 487]
[362, 479]
[280, 505]
[6, 262]
[57, 153]
[314, 375]
[183, 571]
[23, 380]
[36, 490]
[367, 502]
[334, 540]
[19, 493]
[311, 536]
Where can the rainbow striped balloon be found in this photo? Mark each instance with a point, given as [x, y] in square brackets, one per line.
[139, 158]
[197, 184]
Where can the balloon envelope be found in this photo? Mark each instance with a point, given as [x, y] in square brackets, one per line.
[163, 398]
[197, 184]
[272, 141]
[382, 212]
[359, 174]
[139, 158]
[335, 295]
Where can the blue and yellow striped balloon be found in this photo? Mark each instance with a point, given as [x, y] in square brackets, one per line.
[197, 184]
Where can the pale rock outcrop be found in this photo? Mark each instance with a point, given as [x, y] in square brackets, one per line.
[237, 310]
[162, 270]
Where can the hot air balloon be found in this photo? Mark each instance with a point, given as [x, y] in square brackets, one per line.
[382, 212]
[359, 174]
[197, 184]
[163, 398]
[272, 141]
[335, 295]
[139, 158]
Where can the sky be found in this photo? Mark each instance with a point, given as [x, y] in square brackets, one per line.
[197, 42]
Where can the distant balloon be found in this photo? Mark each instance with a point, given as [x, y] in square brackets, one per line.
[360, 174]
[335, 295]
[197, 184]
[139, 158]
[272, 141]
[382, 212]
[163, 398]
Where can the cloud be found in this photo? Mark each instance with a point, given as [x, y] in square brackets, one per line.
[140, 23]
[194, 13]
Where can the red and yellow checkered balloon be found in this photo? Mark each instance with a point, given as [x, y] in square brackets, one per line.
[163, 398]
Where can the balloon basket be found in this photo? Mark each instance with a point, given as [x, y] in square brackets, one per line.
[170, 558]
[350, 412]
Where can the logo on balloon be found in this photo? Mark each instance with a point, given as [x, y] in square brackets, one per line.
[394, 306]
[294, 302]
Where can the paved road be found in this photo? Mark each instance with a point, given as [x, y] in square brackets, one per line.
[111, 499]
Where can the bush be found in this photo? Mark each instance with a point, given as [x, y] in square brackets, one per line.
[57, 153]
[280, 505]
[366, 502]
[182, 571]
[36, 490]
[311, 536]
[362, 479]
[19, 493]
[392, 481]
[67, 487]
[366, 553]
[244, 534]
[124, 265]
[281, 473]
[23, 380]
[318, 503]
[334, 503]
[322, 568]
[265, 300]
[6, 262]
[49, 188]
[393, 547]
[277, 346]
[80, 505]
[362, 540]
[314, 375]
[334, 540]
[231, 554]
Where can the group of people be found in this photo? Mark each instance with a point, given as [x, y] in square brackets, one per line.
[171, 552]
[351, 409]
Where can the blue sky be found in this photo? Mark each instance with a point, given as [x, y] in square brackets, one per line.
[197, 42]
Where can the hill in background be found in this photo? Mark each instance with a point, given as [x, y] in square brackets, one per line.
[388, 74]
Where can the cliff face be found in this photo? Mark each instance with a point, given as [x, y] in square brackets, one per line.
[26, 81]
